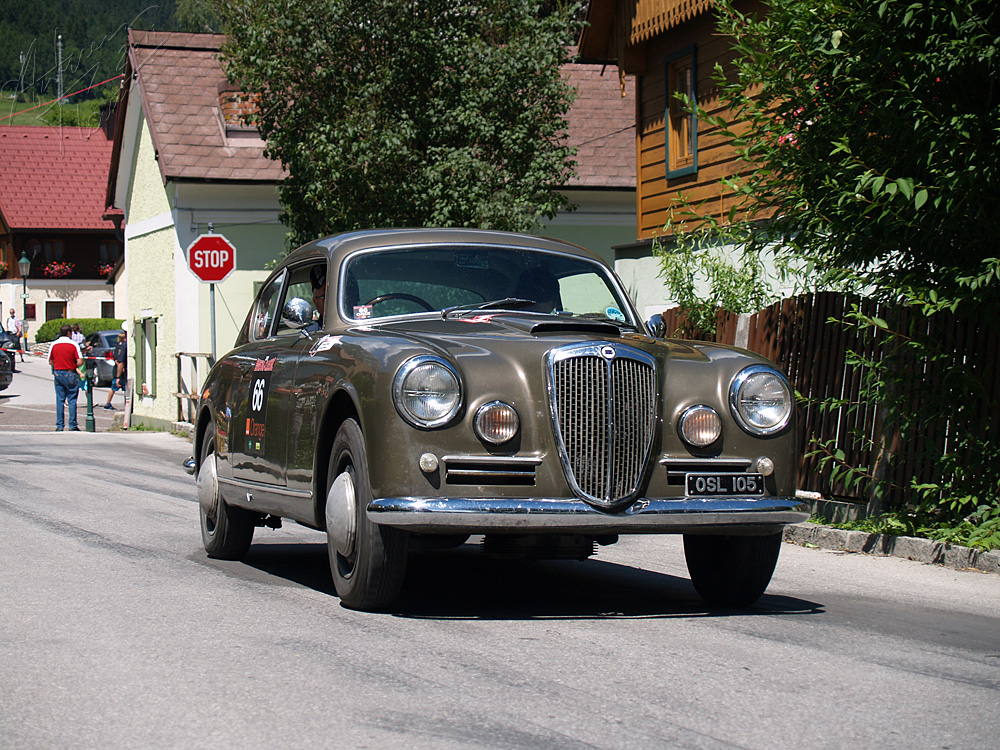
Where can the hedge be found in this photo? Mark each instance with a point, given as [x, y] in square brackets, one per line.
[49, 330]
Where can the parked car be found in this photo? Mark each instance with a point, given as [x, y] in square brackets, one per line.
[400, 389]
[6, 373]
[99, 348]
[9, 346]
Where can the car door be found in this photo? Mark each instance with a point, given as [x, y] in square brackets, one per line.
[267, 404]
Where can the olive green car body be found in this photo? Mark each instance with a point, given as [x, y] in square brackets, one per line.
[447, 479]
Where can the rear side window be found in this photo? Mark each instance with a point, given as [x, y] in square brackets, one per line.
[267, 309]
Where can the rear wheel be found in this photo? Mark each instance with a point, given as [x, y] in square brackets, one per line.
[226, 531]
[731, 571]
[368, 561]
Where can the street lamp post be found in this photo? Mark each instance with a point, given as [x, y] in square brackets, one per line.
[24, 266]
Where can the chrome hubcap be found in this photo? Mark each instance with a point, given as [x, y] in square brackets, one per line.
[208, 486]
[341, 518]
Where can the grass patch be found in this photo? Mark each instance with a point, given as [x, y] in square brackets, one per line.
[85, 114]
[979, 530]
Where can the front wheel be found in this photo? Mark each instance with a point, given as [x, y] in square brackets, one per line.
[226, 531]
[368, 561]
[731, 571]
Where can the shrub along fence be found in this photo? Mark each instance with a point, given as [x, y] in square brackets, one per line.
[800, 336]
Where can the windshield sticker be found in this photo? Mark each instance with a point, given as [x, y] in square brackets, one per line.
[362, 312]
[615, 314]
[471, 260]
[324, 344]
[260, 386]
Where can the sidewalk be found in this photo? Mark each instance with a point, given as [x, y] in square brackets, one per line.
[926, 551]
[29, 404]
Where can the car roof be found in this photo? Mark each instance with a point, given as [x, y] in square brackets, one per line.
[340, 246]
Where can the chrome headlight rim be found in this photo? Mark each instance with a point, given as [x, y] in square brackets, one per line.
[399, 397]
[736, 388]
[485, 411]
[691, 413]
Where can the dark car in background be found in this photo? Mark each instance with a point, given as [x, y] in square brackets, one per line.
[99, 348]
[405, 389]
[9, 346]
[6, 373]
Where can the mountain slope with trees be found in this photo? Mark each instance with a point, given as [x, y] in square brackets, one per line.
[93, 35]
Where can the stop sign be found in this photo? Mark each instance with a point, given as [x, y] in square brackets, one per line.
[211, 257]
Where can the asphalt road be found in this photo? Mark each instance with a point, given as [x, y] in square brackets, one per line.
[117, 631]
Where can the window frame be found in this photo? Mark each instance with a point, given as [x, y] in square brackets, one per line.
[669, 132]
[144, 335]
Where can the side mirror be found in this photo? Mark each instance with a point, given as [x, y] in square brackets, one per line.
[656, 326]
[297, 313]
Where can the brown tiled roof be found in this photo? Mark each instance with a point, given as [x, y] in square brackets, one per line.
[602, 127]
[52, 178]
[181, 82]
[181, 79]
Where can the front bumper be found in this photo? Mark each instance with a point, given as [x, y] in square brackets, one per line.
[746, 515]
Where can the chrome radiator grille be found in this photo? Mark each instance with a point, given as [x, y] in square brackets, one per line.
[603, 400]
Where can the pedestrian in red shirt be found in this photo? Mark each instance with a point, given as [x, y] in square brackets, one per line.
[65, 357]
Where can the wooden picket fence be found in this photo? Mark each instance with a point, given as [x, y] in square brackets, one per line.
[801, 336]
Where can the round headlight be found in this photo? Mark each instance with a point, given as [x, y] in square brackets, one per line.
[496, 422]
[761, 400]
[700, 426]
[427, 392]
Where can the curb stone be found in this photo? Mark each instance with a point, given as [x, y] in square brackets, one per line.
[907, 547]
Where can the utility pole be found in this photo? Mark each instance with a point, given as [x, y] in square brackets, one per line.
[59, 75]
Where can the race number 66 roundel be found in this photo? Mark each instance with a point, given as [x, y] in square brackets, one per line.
[260, 384]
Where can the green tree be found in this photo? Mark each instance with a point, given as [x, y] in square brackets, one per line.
[871, 128]
[868, 132]
[391, 113]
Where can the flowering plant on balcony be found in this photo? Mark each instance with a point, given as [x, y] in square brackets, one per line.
[58, 269]
[3, 268]
[105, 269]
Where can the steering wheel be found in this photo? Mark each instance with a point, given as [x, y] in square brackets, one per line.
[400, 295]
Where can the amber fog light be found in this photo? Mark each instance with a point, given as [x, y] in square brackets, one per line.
[496, 422]
[700, 426]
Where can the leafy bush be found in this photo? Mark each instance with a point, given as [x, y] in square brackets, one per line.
[49, 330]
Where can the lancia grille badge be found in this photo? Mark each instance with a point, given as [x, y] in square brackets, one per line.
[608, 352]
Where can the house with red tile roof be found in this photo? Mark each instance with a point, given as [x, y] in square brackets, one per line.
[52, 212]
[183, 164]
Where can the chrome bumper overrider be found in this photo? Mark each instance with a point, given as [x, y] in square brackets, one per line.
[645, 516]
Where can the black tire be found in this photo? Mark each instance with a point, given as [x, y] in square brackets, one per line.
[731, 571]
[367, 561]
[226, 531]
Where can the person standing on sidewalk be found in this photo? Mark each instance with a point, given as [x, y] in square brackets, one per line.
[13, 326]
[118, 381]
[65, 357]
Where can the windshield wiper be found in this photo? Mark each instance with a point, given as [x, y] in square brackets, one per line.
[507, 303]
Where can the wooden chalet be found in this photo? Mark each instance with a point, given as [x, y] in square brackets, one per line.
[669, 46]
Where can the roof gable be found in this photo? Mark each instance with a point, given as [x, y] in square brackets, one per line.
[602, 127]
[181, 80]
[52, 178]
[184, 93]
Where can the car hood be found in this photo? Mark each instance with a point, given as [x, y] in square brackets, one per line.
[517, 335]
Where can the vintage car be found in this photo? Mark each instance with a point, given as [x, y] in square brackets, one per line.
[401, 389]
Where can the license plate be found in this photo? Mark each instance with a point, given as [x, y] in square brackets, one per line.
[711, 485]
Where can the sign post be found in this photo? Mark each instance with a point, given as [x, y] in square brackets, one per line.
[211, 257]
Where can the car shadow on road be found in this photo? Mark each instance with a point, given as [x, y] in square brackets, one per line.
[463, 583]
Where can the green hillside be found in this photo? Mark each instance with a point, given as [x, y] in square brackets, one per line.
[93, 34]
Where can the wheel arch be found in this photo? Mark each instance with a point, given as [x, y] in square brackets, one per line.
[203, 425]
[340, 408]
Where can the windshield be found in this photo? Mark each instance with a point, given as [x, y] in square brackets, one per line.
[404, 281]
